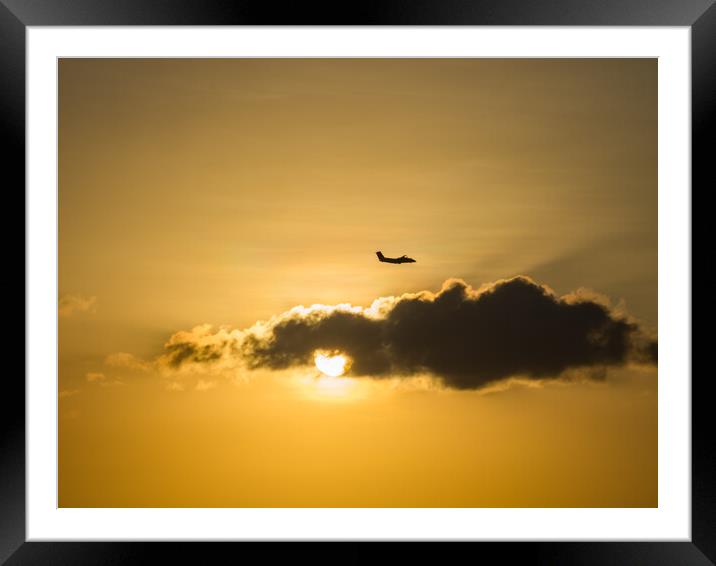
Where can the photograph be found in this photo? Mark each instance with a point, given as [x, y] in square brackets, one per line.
[375, 282]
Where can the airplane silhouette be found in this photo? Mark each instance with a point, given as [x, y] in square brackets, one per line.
[401, 259]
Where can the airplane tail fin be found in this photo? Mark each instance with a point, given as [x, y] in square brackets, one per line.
[380, 255]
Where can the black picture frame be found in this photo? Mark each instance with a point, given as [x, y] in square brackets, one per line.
[16, 15]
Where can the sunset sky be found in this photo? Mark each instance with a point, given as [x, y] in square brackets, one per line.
[200, 201]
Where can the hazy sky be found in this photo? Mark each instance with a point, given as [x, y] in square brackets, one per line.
[226, 192]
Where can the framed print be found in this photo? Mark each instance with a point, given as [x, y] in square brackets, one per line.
[416, 275]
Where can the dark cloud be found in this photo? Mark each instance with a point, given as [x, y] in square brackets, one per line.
[466, 337]
[179, 353]
[293, 341]
[201, 348]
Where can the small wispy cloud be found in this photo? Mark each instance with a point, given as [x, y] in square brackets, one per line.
[68, 393]
[128, 361]
[102, 380]
[70, 304]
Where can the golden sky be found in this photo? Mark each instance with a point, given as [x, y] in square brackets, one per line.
[227, 192]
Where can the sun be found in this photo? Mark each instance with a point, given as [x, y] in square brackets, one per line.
[332, 365]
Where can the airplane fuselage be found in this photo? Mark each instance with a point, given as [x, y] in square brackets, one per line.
[403, 259]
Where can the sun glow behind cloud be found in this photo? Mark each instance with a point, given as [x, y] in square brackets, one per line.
[330, 385]
[331, 365]
[320, 387]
